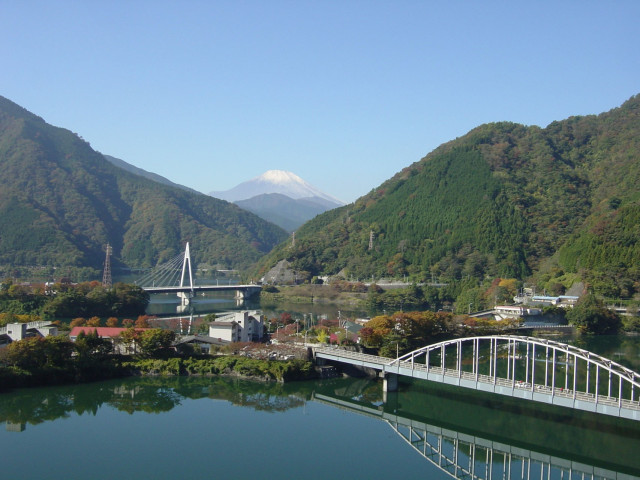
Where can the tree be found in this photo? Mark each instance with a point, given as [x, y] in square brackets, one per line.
[130, 299]
[112, 322]
[57, 351]
[129, 337]
[36, 352]
[589, 315]
[27, 354]
[91, 347]
[322, 336]
[93, 322]
[142, 322]
[394, 345]
[155, 341]
[78, 322]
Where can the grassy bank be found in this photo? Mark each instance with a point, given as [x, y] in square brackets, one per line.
[268, 370]
[117, 366]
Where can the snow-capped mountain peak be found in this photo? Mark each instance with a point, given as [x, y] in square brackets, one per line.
[279, 177]
[274, 181]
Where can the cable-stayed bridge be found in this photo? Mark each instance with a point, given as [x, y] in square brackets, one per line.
[176, 276]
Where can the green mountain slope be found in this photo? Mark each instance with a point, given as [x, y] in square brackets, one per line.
[504, 200]
[61, 202]
[284, 211]
[143, 173]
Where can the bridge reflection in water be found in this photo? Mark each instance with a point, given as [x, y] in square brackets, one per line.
[512, 443]
[467, 434]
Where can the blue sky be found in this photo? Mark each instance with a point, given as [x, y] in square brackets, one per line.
[342, 93]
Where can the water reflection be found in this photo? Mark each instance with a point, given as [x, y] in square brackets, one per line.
[467, 423]
[465, 436]
[475, 455]
[146, 394]
[169, 304]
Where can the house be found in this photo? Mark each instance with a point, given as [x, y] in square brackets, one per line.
[13, 332]
[110, 333]
[224, 331]
[502, 312]
[203, 342]
[351, 331]
[245, 326]
[563, 301]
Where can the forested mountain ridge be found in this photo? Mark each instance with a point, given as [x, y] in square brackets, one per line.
[144, 173]
[61, 202]
[505, 200]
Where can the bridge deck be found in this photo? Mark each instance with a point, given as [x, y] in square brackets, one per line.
[541, 393]
[202, 288]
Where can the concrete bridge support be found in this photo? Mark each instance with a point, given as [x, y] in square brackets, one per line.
[389, 384]
[185, 298]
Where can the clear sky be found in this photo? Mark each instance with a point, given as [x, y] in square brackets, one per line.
[342, 93]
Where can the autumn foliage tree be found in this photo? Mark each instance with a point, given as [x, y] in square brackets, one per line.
[78, 322]
[142, 321]
[93, 322]
[112, 322]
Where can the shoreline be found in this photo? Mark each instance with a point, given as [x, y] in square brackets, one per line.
[281, 371]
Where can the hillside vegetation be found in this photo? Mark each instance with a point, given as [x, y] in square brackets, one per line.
[61, 202]
[560, 203]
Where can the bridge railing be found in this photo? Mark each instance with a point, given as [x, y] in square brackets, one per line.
[539, 365]
[526, 367]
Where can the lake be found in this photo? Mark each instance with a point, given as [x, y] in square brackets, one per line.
[194, 427]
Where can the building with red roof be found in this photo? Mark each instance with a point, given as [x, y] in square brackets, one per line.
[110, 333]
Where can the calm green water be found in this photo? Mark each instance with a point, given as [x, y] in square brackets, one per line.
[339, 428]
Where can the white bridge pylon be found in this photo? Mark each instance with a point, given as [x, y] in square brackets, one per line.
[530, 368]
[187, 261]
[170, 273]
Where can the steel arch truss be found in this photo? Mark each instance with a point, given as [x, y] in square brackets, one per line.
[530, 368]
[467, 457]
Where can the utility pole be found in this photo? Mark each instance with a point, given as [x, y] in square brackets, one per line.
[106, 273]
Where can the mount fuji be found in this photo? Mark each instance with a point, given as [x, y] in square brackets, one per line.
[274, 181]
[280, 197]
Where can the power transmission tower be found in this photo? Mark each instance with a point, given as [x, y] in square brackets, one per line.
[371, 240]
[293, 239]
[106, 274]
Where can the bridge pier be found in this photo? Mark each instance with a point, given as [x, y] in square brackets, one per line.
[185, 298]
[389, 384]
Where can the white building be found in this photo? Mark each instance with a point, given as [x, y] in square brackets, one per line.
[502, 312]
[563, 301]
[13, 332]
[245, 326]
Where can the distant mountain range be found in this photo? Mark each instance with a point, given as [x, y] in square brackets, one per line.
[280, 197]
[555, 205]
[61, 202]
[558, 204]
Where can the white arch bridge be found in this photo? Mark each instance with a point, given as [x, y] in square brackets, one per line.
[523, 367]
